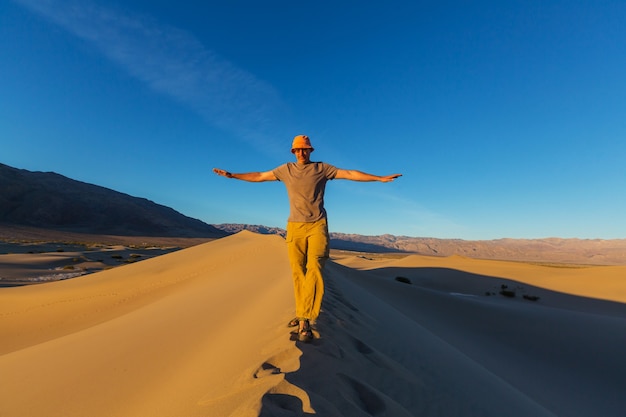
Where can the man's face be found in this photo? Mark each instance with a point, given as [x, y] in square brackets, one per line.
[303, 155]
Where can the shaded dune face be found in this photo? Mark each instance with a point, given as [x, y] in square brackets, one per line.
[202, 331]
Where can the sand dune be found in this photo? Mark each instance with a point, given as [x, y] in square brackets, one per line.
[202, 332]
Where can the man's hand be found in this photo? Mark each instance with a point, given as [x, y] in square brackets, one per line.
[222, 173]
[389, 178]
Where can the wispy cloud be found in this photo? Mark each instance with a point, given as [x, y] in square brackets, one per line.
[173, 62]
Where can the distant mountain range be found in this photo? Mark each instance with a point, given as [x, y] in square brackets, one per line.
[51, 201]
[46, 200]
[556, 250]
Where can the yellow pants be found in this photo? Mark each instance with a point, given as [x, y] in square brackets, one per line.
[307, 246]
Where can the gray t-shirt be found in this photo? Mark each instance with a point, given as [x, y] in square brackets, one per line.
[305, 187]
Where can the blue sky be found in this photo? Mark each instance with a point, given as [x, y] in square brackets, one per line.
[506, 118]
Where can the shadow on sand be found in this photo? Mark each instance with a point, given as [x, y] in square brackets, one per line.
[445, 342]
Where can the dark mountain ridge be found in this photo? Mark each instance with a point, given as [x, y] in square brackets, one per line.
[51, 201]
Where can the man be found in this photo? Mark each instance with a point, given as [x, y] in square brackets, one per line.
[307, 228]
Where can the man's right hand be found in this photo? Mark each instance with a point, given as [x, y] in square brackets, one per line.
[222, 173]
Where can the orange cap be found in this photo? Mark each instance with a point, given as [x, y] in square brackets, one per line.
[301, 142]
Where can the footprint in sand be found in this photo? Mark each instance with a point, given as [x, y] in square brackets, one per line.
[363, 396]
[267, 369]
[283, 362]
[268, 378]
[369, 399]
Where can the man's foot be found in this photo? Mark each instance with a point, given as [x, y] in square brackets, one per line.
[293, 322]
[305, 334]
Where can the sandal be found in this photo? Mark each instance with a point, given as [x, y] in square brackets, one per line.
[293, 322]
[305, 334]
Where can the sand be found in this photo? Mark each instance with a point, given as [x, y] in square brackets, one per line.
[202, 332]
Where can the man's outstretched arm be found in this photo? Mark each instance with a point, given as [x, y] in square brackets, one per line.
[354, 175]
[248, 176]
